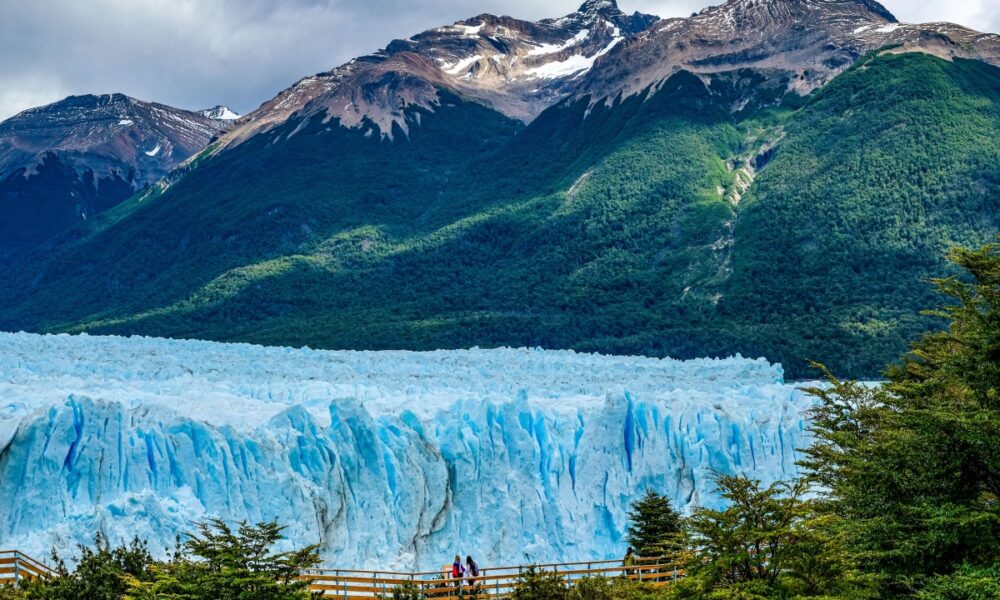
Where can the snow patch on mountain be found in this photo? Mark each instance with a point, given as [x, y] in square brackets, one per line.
[574, 65]
[383, 458]
[461, 66]
[544, 49]
[220, 113]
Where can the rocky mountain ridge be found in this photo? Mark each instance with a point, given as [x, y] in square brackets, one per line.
[801, 44]
[106, 132]
[521, 68]
[67, 161]
[516, 67]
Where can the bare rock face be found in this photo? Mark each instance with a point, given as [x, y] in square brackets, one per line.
[105, 134]
[517, 67]
[804, 42]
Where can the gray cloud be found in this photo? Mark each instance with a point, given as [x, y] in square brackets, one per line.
[197, 53]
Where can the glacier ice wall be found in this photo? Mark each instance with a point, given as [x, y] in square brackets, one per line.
[384, 458]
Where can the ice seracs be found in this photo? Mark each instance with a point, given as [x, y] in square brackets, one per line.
[384, 458]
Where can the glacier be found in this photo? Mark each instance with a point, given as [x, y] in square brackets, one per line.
[386, 459]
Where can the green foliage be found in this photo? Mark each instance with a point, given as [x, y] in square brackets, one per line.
[12, 592]
[859, 203]
[539, 584]
[406, 591]
[101, 573]
[224, 564]
[619, 588]
[967, 583]
[629, 231]
[769, 543]
[654, 525]
[912, 467]
[216, 564]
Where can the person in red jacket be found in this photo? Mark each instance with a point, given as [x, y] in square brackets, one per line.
[457, 571]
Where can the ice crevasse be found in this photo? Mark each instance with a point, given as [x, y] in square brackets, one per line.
[385, 459]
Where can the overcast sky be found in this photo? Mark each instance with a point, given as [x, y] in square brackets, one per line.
[198, 53]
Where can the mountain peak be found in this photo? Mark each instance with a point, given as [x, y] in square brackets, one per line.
[804, 43]
[595, 6]
[878, 9]
[220, 112]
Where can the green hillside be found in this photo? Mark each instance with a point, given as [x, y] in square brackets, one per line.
[622, 229]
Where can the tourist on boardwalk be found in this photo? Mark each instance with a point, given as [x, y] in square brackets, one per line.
[629, 562]
[472, 569]
[457, 570]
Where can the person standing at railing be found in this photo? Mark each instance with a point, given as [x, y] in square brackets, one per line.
[472, 569]
[629, 561]
[457, 571]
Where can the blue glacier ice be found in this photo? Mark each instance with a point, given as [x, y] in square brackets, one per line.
[386, 459]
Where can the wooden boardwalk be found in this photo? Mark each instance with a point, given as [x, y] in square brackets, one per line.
[493, 582]
[16, 566]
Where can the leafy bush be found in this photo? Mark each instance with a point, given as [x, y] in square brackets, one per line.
[220, 563]
[217, 563]
[101, 573]
[538, 584]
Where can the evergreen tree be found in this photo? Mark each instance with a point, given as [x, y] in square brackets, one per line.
[654, 525]
[913, 466]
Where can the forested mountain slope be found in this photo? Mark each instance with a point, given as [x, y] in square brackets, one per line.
[663, 224]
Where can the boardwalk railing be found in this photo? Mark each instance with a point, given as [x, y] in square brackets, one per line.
[494, 582]
[15, 566]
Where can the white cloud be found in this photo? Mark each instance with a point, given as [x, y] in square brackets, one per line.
[198, 53]
[22, 91]
[982, 15]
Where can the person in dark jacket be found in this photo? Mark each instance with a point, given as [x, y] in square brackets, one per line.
[472, 569]
[629, 562]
